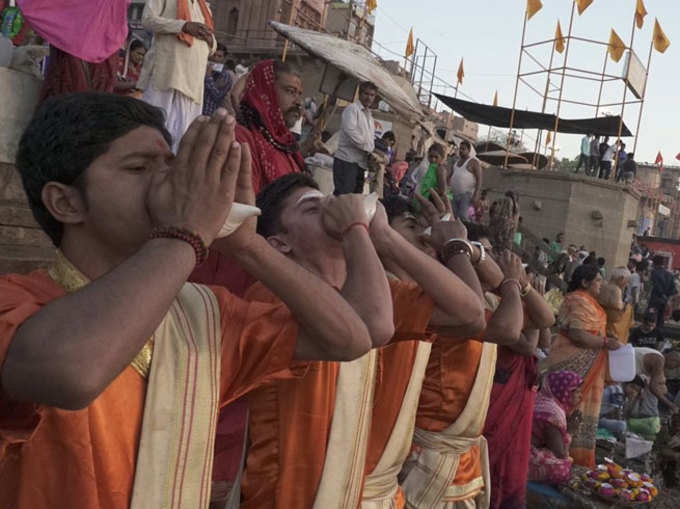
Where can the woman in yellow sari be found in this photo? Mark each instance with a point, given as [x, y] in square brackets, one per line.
[581, 346]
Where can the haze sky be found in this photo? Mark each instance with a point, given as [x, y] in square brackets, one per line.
[488, 33]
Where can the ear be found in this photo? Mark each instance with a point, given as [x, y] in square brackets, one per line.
[280, 244]
[66, 203]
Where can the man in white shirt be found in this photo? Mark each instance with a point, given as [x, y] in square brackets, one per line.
[584, 156]
[606, 158]
[174, 68]
[356, 142]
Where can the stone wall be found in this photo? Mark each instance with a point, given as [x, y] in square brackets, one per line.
[23, 246]
[590, 212]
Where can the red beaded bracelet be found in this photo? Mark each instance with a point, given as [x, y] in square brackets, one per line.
[358, 223]
[195, 241]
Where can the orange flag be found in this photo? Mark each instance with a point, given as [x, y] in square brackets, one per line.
[640, 13]
[583, 5]
[371, 5]
[495, 98]
[559, 38]
[548, 139]
[409, 45]
[661, 42]
[461, 73]
[533, 6]
[616, 46]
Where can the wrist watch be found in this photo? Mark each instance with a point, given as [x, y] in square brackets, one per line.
[482, 251]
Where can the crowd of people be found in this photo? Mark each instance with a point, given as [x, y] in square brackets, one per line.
[335, 351]
[597, 158]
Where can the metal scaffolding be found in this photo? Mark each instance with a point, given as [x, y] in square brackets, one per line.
[529, 51]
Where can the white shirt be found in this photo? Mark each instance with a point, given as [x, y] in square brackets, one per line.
[608, 154]
[171, 63]
[357, 132]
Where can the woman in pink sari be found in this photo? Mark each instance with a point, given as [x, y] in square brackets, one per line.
[549, 459]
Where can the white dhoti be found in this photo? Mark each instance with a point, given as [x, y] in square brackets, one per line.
[180, 110]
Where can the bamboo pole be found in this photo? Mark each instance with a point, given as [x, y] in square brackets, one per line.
[623, 104]
[644, 91]
[545, 101]
[559, 99]
[514, 97]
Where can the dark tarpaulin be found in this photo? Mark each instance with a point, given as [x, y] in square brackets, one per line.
[498, 116]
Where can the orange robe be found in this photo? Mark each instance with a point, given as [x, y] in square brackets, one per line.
[86, 458]
[290, 420]
[448, 382]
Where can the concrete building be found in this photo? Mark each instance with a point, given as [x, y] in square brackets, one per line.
[599, 215]
[659, 210]
[351, 21]
[243, 24]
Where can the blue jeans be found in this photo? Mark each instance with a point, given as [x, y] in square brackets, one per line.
[461, 205]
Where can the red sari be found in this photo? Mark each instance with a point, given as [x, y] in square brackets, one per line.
[508, 428]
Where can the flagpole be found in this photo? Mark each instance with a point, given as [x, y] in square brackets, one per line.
[545, 101]
[559, 99]
[623, 104]
[514, 98]
[644, 91]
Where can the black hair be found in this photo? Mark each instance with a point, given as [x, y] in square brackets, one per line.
[389, 136]
[601, 261]
[436, 148]
[465, 143]
[397, 205]
[659, 260]
[368, 85]
[585, 272]
[325, 136]
[285, 68]
[638, 381]
[222, 47]
[136, 43]
[66, 134]
[477, 231]
[270, 200]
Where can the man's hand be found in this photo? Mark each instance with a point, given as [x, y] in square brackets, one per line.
[198, 30]
[340, 212]
[435, 208]
[511, 265]
[197, 191]
[443, 231]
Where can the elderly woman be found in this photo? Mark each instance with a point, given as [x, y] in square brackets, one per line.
[619, 312]
[581, 346]
[549, 459]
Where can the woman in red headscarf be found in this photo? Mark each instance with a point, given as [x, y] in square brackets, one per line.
[270, 105]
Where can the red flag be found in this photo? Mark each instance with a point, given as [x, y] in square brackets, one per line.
[659, 161]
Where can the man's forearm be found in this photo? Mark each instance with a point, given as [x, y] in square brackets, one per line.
[505, 326]
[70, 351]
[456, 303]
[540, 313]
[330, 328]
[366, 287]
